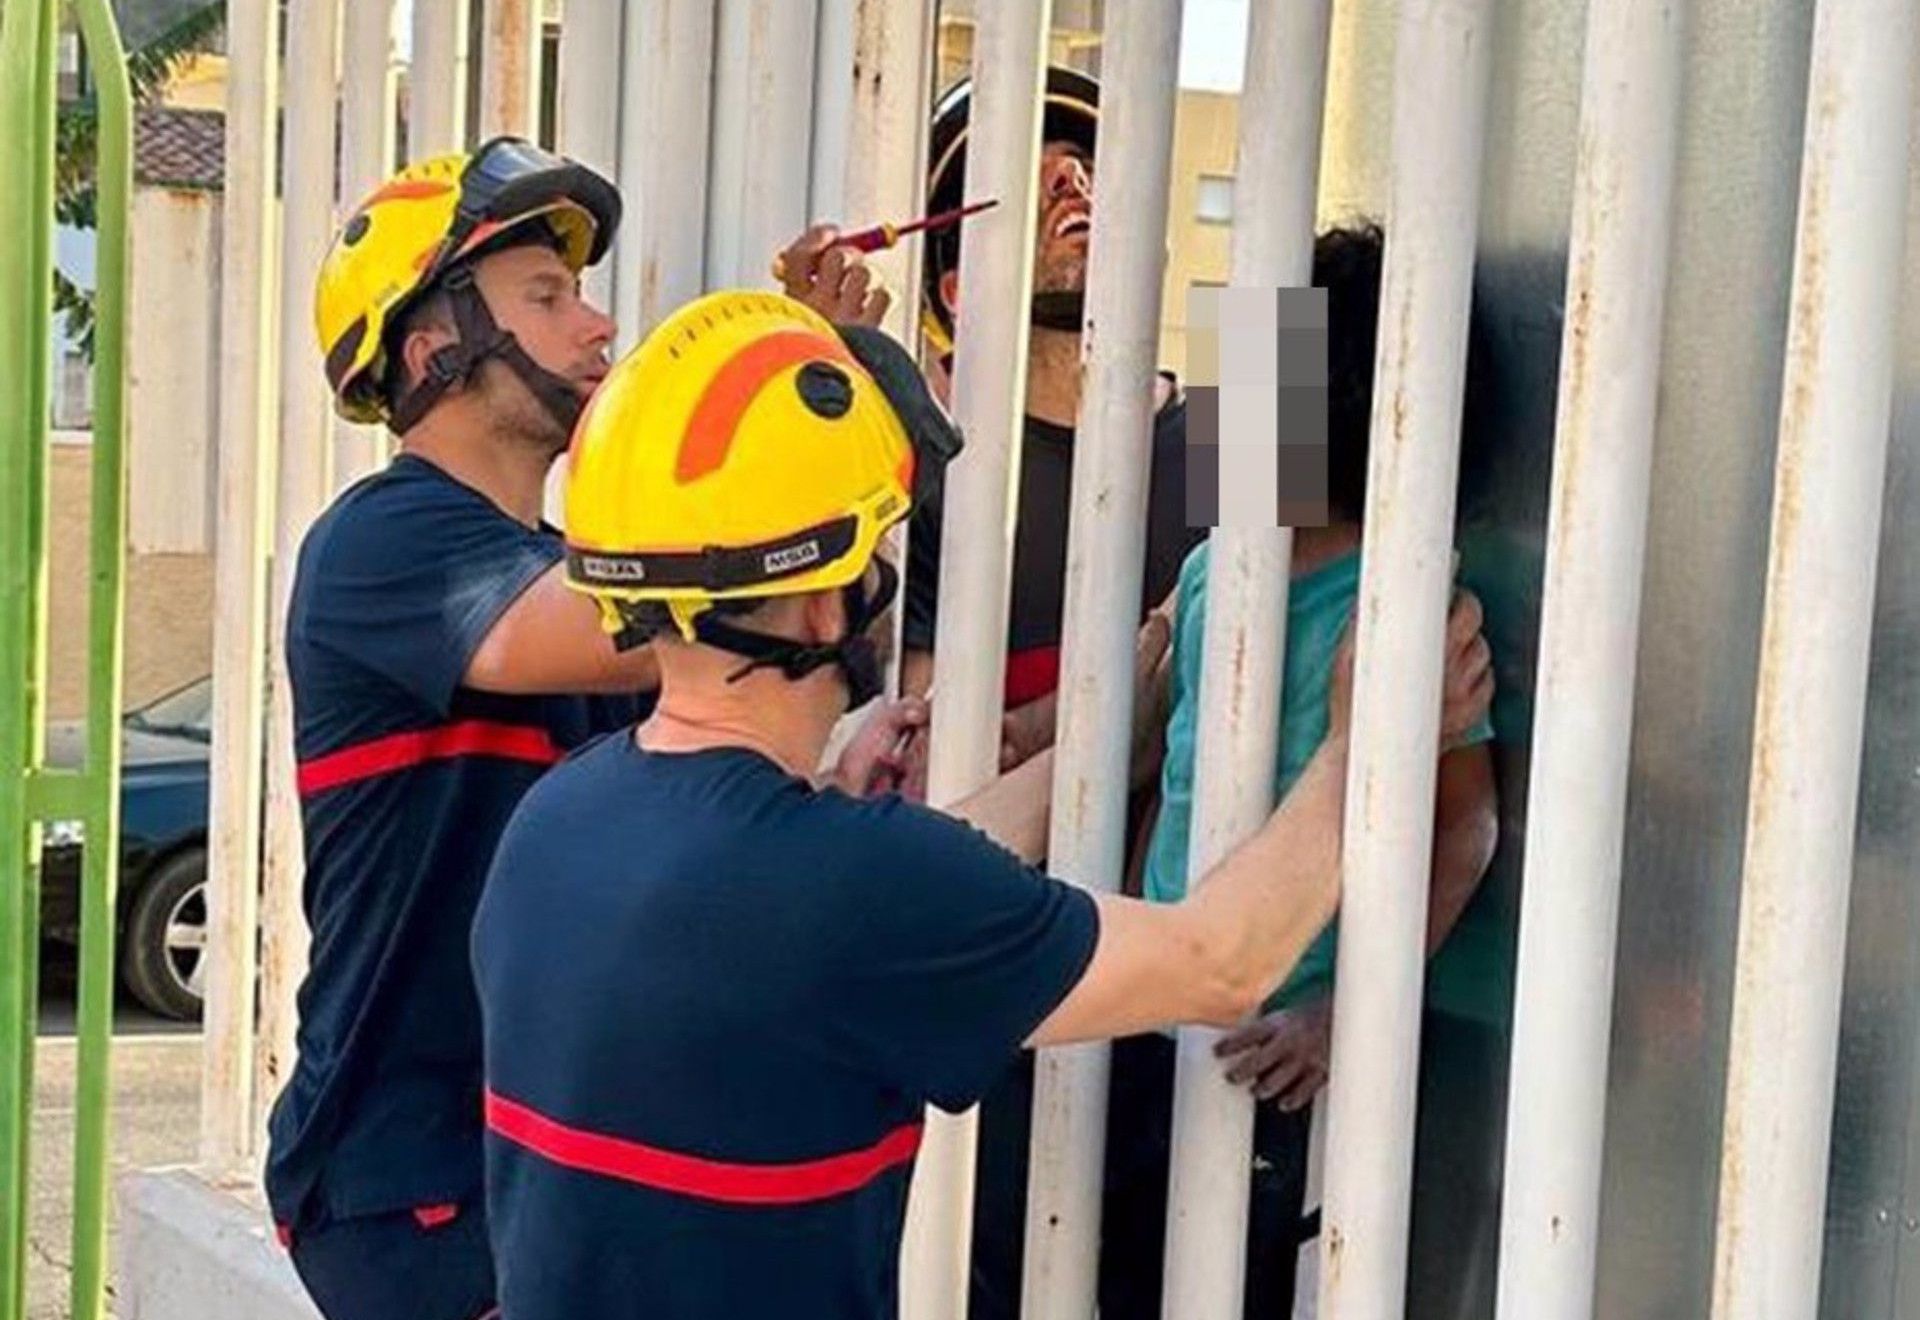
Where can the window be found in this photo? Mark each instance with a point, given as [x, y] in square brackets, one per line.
[1214, 203]
[72, 402]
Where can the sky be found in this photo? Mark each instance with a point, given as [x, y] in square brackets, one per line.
[1213, 42]
[1213, 45]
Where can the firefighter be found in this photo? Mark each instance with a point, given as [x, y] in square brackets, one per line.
[439, 665]
[715, 996]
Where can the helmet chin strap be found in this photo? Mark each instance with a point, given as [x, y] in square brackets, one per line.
[854, 654]
[479, 338]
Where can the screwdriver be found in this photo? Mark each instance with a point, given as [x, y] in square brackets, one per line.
[883, 236]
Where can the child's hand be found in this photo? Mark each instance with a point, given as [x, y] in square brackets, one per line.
[1283, 1055]
[1152, 682]
[1467, 686]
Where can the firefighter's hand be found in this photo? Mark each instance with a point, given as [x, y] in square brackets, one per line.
[875, 760]
[1282, 1056]
[835, 281]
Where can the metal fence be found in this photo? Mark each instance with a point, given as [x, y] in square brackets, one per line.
[1687, 761]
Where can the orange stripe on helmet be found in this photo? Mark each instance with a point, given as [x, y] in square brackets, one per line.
[710, 431]
[483, 231]
[408, 190]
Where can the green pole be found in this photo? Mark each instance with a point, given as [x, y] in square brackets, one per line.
[105, 596]
[39, 200]
[26, 174]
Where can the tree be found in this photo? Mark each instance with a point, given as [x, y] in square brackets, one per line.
[150, 67]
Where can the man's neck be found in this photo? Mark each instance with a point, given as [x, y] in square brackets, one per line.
[511, 474]
[1053, 376]
[747, 714]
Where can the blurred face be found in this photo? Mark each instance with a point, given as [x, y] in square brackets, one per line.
[535, 296]
[1065, 221]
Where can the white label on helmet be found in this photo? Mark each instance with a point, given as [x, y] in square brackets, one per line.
[619, 570]
[794, 556]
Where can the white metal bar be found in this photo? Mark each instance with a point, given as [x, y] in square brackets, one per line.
[1106, 563]
[989, 399]
[589, 127]
[1828, 488]
[886, 163]
[588, 130]
[244, 501]
[1590, 624]
[664, 137]
[367, 99]
[762, 136]
[885, 170]
[306, 214]
[1276, 180]
[1439, 121]
[437, 79]
[833, 90]
[367, 88]
[510, 69]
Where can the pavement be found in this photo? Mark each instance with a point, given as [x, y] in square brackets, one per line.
[155, 1107]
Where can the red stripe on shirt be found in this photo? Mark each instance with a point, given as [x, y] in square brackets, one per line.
[401, 751]
[1031, 674]
[690, 1175]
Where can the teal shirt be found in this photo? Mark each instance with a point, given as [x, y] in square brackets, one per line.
[1318, 607]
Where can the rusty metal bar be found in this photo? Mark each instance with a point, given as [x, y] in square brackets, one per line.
[437, 79]
[306, 215]
[1276, 180]
[1106, 550]
[367, 131]
[509, 68]
[1590, 626]
[1829, 476]
[244, 511]
[591, 33]
[762, 138]
[665, 122]
[1441, 70]
[989, 396]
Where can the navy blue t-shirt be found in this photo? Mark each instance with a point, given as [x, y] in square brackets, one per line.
[406, 779]
[716, 1001]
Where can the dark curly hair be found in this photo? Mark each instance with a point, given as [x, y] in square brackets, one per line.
[1347, 263]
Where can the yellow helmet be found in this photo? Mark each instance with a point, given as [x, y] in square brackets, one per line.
[748, 448]
[413, 232]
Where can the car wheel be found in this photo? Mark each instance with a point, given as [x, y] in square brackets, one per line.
[164, 948]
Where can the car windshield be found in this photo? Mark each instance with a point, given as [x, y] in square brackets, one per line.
[187, 712]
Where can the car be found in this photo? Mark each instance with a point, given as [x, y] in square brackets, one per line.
[166, 747]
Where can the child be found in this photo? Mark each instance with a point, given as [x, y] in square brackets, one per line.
[1282, 1056]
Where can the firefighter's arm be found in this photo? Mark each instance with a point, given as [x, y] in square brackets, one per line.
[550, 640]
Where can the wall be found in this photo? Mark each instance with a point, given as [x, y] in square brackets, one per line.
[169, 618]
[172, 361]
[1206, 126]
